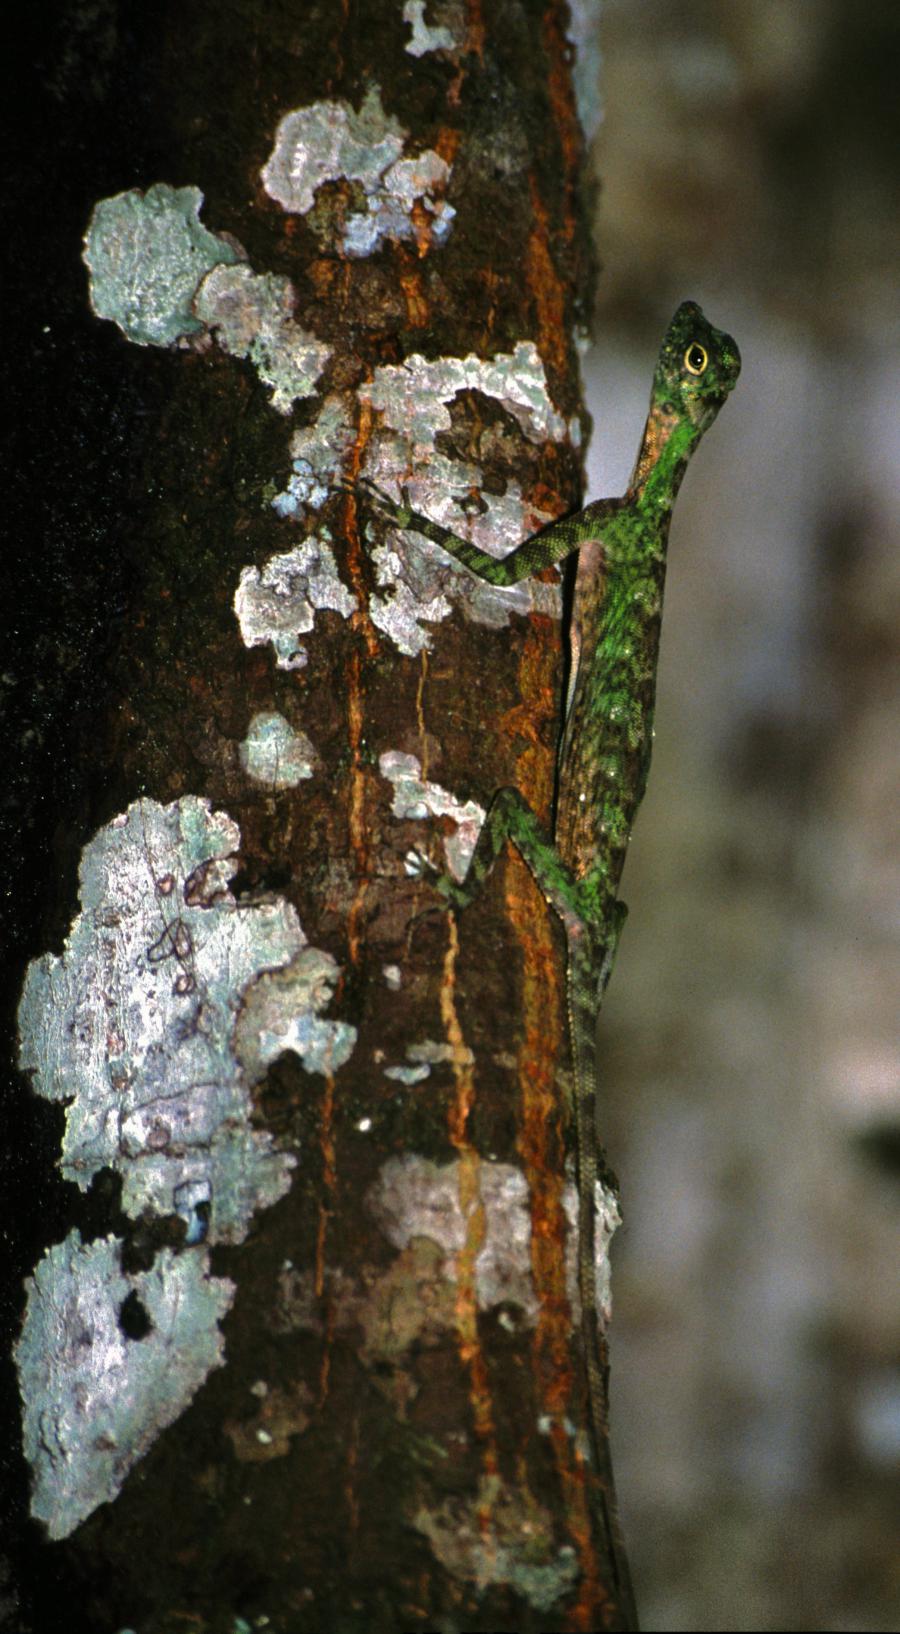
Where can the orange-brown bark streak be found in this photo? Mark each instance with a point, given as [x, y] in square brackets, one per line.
[355, 556]
[360, 621]
[420, 712]
[557, 53]
[547, 292]
[356, 815]
[447, 142]
[472, 1208]
[540, 1143]
[475, 29]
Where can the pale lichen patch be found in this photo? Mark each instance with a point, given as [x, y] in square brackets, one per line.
[164, 278]
[251, 315]
[147, 254]
[275, 754]
[420, 181]
[413, 395]
[417, 798]
[326, 141]
[330, 142]
[443, 36]
[414, 600]
[407, 1075]
[414, 1197]
[517, 1548]
[134, 1024]
[281, 1013]
[279, 602]
[425, 1054]
[95, 1400]
[318, 453]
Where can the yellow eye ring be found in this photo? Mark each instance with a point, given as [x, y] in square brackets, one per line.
[696, 358]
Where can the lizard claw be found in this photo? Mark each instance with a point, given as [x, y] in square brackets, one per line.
[420, 867]
[417, 865]
[398, 515]
[375, 492]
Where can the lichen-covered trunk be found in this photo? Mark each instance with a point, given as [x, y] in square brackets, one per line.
[297, 1346]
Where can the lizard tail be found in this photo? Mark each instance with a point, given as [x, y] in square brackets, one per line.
[584, 994]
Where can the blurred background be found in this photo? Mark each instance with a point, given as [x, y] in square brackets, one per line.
[748, 158]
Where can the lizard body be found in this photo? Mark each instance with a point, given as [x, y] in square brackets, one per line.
[605, 747]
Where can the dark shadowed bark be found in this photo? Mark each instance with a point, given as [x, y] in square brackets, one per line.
[301, 1342]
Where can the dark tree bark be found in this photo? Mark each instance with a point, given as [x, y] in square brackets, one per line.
[301, 1342]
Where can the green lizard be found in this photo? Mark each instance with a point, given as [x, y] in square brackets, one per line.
[604, 752]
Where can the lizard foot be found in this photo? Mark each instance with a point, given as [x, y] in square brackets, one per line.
[418, 866]
[399, 515]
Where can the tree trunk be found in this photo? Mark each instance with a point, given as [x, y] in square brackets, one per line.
[300, 1344]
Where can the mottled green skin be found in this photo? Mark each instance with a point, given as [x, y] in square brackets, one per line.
[605, 749]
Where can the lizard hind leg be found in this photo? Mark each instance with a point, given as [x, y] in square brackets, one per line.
[510, 817]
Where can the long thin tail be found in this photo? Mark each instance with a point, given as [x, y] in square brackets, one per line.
[586, 980]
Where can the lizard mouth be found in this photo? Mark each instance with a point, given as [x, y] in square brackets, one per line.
[703, 410]
[729, 362]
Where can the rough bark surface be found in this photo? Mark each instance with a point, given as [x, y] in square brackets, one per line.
[395, 1437]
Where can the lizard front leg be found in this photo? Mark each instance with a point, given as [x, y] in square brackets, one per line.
[557, 540]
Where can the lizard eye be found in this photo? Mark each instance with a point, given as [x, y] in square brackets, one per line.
[696, 358]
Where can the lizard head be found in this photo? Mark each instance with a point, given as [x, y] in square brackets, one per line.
[697, 368]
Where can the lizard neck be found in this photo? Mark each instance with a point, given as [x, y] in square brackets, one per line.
[668, 442]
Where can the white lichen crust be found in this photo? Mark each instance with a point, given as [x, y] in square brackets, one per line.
[251, 315]
[330, 142]
[279, 602]
[147, 254]
[134, 1024]
[414, 1197]
[95, 1400]
[159, 274]
[415, 797]
[318, 456]
[432, 37]
[280, 1012]
[413, 396]
[275, 754]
